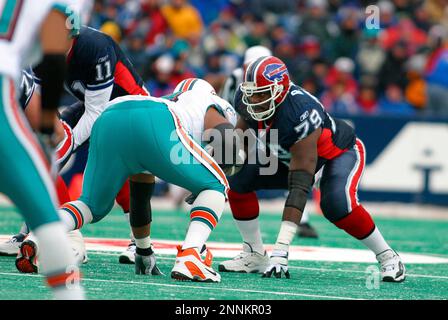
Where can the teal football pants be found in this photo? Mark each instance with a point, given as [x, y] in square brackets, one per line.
[138, 136]
[24, 169]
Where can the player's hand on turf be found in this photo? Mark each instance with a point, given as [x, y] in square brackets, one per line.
[278, 264]
[147, 265]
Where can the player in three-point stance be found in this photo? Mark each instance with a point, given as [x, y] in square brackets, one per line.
[309, 139]
[98, 71]
[142, 135]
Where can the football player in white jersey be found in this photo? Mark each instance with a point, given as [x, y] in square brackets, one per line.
[169, 146]
[34, 32]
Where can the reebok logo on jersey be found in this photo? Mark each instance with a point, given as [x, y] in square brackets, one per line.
[304, 116]
[275, 71]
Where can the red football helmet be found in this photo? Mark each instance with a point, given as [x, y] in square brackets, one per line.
[265, 76]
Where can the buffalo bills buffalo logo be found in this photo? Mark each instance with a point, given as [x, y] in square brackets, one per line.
[275, 71]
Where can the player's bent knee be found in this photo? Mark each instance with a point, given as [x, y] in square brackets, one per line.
[333, 208]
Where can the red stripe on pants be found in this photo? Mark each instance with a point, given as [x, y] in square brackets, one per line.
[353, 190]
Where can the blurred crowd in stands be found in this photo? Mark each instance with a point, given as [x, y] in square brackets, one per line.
[399, 68]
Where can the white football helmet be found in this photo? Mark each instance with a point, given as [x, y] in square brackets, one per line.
[195, 84]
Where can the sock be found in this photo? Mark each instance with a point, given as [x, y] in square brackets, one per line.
[245, 211]
[357, 223]
[57, 261]
[75, 214]
[376, 242]
[205, 213]
[250, 232]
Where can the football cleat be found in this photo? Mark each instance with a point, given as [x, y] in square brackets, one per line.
[306, 230]
[247, 261]
[392, 269]
[78, 246]
[147, 264]
[11, 247]
[190, 267]
[128, 256]
[26, 261]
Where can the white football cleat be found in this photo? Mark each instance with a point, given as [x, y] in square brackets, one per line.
[190, 267]
[11, 247]
[27, 260]
[128, 256]
[392, 269]
[247, 261]
[78, 246]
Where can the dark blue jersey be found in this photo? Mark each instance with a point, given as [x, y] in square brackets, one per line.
[299, 115]
[96, 62]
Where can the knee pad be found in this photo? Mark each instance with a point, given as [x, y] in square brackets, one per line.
[140, 204]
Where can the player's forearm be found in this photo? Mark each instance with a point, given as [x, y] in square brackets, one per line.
[52, 72]
[299, 184]
[83, 129]
[52, 69]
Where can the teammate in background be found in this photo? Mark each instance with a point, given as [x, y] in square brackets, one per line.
[31, 27]
[308, 139]
[144, 134]
[305, 230]
[97, 72]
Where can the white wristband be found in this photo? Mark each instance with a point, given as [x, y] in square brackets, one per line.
[287, 232]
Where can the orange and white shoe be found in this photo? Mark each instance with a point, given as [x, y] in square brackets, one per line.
[190, 267]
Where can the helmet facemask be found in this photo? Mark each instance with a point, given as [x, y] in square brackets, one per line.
[250, 88]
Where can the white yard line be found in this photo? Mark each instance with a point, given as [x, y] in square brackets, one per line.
[290, 267]
[276, 293]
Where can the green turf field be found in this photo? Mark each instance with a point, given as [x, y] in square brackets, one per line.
[105, 278]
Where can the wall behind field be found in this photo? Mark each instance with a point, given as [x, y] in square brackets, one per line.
[407, 159]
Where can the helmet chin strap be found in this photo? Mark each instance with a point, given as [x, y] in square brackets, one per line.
[265, 115]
